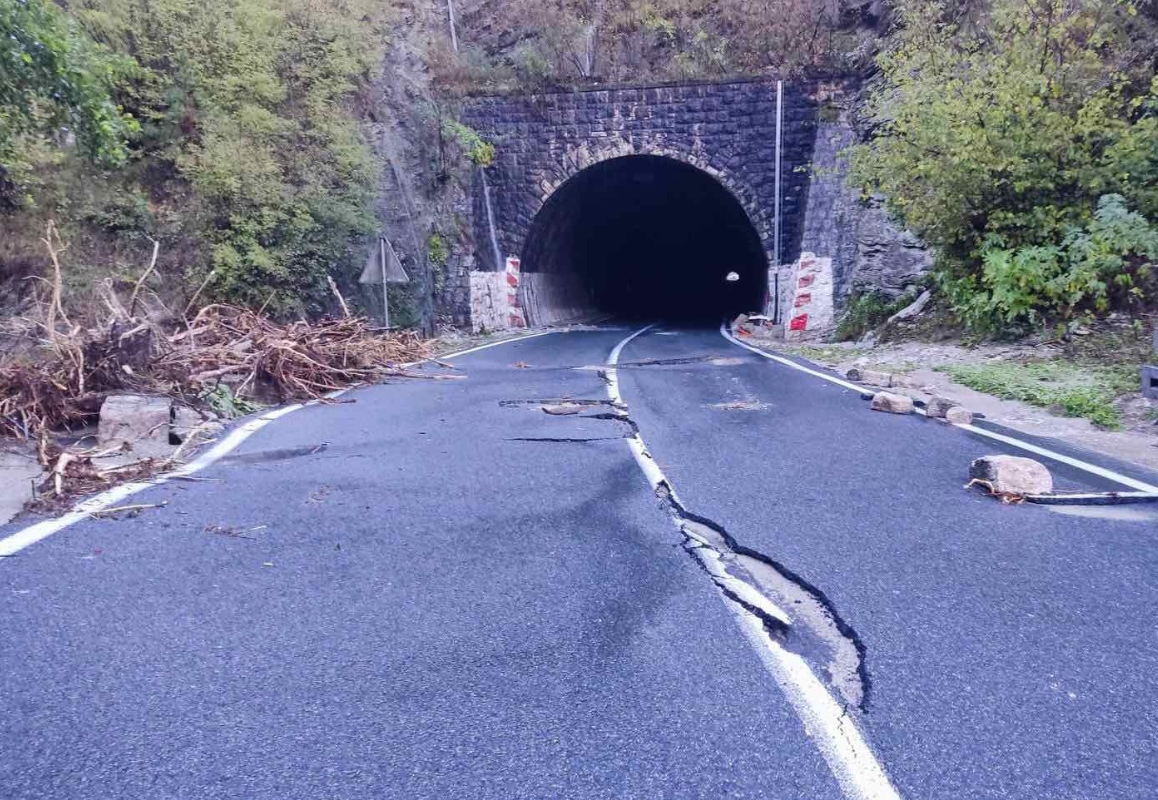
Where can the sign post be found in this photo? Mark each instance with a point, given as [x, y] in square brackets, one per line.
[383, 266]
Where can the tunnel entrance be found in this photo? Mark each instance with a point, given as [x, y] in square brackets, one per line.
[643, 237]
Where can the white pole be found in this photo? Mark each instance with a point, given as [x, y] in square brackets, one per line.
[776, 224]
[385, 296]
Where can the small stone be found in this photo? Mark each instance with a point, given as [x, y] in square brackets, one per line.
[938, 407]
[1012, 475]
[562, 409]
[870, 376]
[892, 403]
[958, 415]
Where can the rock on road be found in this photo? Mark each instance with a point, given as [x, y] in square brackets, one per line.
[441, 591]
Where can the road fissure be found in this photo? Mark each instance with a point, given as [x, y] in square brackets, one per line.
[793, 646]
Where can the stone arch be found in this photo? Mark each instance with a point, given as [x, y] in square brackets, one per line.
[639, 232]
[577, 159]
[726, 131]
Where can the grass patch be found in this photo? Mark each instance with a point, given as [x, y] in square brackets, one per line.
[1075, 389]
[863, 313]
[824, 355]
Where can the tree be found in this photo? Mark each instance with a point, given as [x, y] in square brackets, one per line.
[999, 130]
[55, 81]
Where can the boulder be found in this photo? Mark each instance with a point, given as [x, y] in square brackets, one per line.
[1012, 475]
[957, 415]
[938, 407]
[892, 403]
[140, 420]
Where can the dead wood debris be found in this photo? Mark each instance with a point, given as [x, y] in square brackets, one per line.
[1007, 498]
[62, 382]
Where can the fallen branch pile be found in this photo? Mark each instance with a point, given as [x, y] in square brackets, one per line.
[63, 381]
[302, 360]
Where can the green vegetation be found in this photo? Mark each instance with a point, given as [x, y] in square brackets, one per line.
[1019, 138]
[1076, 389]
[478, 151]
[437, 251]
[54, 80]
[866, 312]
[237, 131]
[529, 44]
[226, 404]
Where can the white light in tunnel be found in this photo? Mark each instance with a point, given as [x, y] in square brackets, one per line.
[732, 277]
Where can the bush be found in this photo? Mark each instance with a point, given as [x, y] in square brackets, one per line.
[866, 312]
[1018, 139]
[250, 162]
[1107, 264]
[55, 80]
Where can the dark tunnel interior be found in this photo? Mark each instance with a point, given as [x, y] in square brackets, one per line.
[647, 237]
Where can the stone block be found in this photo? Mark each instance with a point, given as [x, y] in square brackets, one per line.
[957, 415]
[869, 376]
[892, 403]
[1150, 382]
[938, 407]
[135, 418]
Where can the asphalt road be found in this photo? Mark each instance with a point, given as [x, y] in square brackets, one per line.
[440, 591]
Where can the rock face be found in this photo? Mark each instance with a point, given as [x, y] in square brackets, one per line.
[892, 403]
[140, 420]
[1012, 475]
[889, 260]
[869, 252]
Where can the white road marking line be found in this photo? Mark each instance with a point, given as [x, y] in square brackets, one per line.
[14, 543]
[844, 748]
[489, 345]
[1044, 452]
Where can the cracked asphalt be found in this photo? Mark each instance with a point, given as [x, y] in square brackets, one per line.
[460, 596]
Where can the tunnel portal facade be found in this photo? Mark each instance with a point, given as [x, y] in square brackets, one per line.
[635, 202]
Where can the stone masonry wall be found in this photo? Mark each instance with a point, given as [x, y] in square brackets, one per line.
[726, 129]
[869, 252]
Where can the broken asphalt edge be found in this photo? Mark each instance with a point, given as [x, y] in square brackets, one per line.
[31, 534]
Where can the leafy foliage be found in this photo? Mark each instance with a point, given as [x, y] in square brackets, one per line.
[477, 150]
[865, 312]
[1020, 139]
[250, 162]
[540, 43]
[54, 80]
[437, 250]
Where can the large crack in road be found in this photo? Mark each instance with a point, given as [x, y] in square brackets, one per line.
[795, 613]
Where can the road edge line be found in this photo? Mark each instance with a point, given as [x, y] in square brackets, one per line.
[1012, 441]
[38, 531]
[840, 741]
